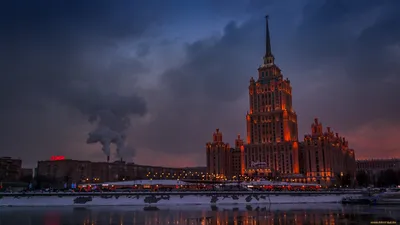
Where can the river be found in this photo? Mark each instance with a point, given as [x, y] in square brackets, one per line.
[222, 215]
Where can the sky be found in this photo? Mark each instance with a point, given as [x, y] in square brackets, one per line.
[177, 70]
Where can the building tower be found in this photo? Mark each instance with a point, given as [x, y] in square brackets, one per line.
[237, 158]
[218, 157]
[325, 156]
[271, 122]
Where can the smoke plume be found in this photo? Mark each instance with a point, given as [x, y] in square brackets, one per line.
[112, 125]
[106, 136]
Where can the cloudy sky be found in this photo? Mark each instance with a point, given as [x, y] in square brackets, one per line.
[179, 69]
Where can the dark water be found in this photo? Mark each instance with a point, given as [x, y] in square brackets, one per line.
[193, 215]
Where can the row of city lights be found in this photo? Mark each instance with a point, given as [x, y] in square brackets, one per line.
[206, 176]
[197, 175]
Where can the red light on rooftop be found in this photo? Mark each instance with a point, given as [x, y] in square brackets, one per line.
[57, 158]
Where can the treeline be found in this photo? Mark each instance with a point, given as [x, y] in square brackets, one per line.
[386, 178]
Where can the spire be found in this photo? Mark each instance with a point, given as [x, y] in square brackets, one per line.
[268, 51]
[268, 58]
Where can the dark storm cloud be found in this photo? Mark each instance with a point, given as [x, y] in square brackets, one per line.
[372, 56]
[61, 56]
[354, 47]
[65, 52]
[331, 28]
[259, 5]
[357, 40]
[143, 50]
[205, 74]
[329, 63]
[203, 93]
[103, 18]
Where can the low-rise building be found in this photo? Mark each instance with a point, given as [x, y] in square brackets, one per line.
[10, 169]
[79, 171]
[26, 173]
[378, 165]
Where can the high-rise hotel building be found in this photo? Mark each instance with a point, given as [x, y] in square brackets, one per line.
[272, 148]
[271, 122]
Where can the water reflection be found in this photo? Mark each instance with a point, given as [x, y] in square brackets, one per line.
[250, 215]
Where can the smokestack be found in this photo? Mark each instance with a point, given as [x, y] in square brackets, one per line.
[110, 130]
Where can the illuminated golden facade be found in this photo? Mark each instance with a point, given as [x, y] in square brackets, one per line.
[271, 122]
[237, 156]
[218, 156]
[224, 162]
[326, 156]
[250, 215]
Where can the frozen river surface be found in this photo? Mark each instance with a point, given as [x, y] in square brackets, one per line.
[184, 215]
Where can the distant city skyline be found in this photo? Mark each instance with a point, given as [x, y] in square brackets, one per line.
[180, 70]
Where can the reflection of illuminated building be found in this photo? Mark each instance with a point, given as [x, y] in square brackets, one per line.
[52, 219]
[326, 156]
[260, 215]
[271, 121]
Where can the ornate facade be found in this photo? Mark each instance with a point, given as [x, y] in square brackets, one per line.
[218, 157]
[272, 149]
[325, 156]
[238, 165]
[271, 122]
[224, 162]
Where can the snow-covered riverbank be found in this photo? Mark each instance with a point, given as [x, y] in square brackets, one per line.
[168, 199]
